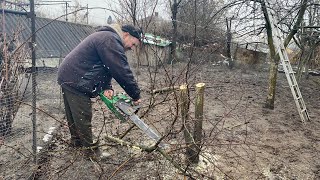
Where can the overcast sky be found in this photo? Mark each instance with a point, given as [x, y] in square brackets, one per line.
[96, 16]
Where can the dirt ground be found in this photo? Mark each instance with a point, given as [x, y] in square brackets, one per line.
[16, 160]
[241, 139]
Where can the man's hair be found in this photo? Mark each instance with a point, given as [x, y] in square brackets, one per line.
[133, 31]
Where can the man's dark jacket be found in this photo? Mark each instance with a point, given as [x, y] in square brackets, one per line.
[88, 69]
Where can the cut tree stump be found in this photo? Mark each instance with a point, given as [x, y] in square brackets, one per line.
[184, 109]
[197, 133]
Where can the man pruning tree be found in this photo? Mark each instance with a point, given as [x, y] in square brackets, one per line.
[87, 70]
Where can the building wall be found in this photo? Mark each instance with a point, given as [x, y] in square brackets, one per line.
[44, 62]
[149, 55]
[251, 57]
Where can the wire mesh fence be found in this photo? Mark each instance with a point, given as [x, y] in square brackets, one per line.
[16, 127]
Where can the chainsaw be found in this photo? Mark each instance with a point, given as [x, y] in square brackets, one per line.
[123, 108]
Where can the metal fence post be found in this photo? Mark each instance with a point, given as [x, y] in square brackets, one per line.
[34, 83]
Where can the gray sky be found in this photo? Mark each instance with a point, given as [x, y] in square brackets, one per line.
[96, 16]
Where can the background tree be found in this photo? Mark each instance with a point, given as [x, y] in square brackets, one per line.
[308, 39]
[78, 15]
[203, 14]
[253, 22]
[174, 7]
[132, 11]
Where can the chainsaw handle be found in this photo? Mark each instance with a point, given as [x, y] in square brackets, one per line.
[136, 108]
[136, 102]
[108, 93]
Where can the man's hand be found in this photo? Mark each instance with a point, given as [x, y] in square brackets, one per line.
[108, 93]
[137, 102]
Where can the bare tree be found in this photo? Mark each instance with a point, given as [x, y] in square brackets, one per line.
[253, 22]
[308, 39]
[202, 14]
[78, 15]
[133, 10]
[22, 5]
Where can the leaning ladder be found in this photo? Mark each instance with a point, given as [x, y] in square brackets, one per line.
[280, 49]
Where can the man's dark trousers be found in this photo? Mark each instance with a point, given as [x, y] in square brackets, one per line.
[79, 113]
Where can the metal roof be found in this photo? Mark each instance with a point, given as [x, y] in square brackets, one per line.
[54, 39]
[155, 40]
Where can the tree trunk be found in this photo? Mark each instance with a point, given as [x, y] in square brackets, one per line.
[273, 71]
[229, 37]
[174, 10]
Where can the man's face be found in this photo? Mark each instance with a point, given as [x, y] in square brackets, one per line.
[130, 42]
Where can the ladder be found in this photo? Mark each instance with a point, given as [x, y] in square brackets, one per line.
[280, 49]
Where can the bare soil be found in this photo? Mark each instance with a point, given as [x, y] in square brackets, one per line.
[242, 140]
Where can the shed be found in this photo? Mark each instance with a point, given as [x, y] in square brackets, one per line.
[154, 52]
[251, 53]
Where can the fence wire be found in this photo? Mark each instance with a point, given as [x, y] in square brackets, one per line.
[16, 109]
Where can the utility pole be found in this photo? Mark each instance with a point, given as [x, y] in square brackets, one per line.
[87, 14]
[66, 11]
[66, 3]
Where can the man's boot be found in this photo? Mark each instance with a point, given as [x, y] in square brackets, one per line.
[92, 153]
[75, 143]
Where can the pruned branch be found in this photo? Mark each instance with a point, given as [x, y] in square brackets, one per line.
[149, 149]
[165, 89]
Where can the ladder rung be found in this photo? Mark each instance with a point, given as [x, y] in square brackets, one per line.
[304, 109]
[292, 75]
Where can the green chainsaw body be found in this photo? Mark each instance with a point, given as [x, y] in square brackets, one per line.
[111, 104]
[123, 108]
[120, 100]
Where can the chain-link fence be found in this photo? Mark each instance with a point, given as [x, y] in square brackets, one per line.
[16, 127]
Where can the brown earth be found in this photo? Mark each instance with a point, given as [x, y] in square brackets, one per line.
[242, 140]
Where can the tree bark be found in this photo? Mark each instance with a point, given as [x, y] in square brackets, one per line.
[273, 69]
[184, 108]
[174, 11]
[229, 38]
[197, 133]
[165, 89]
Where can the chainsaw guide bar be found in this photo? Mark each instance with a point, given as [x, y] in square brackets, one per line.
[124, 109]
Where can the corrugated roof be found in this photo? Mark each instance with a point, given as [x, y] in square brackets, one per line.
[54, 40]
[155, 40]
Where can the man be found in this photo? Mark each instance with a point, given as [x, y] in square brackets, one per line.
[88, 69]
